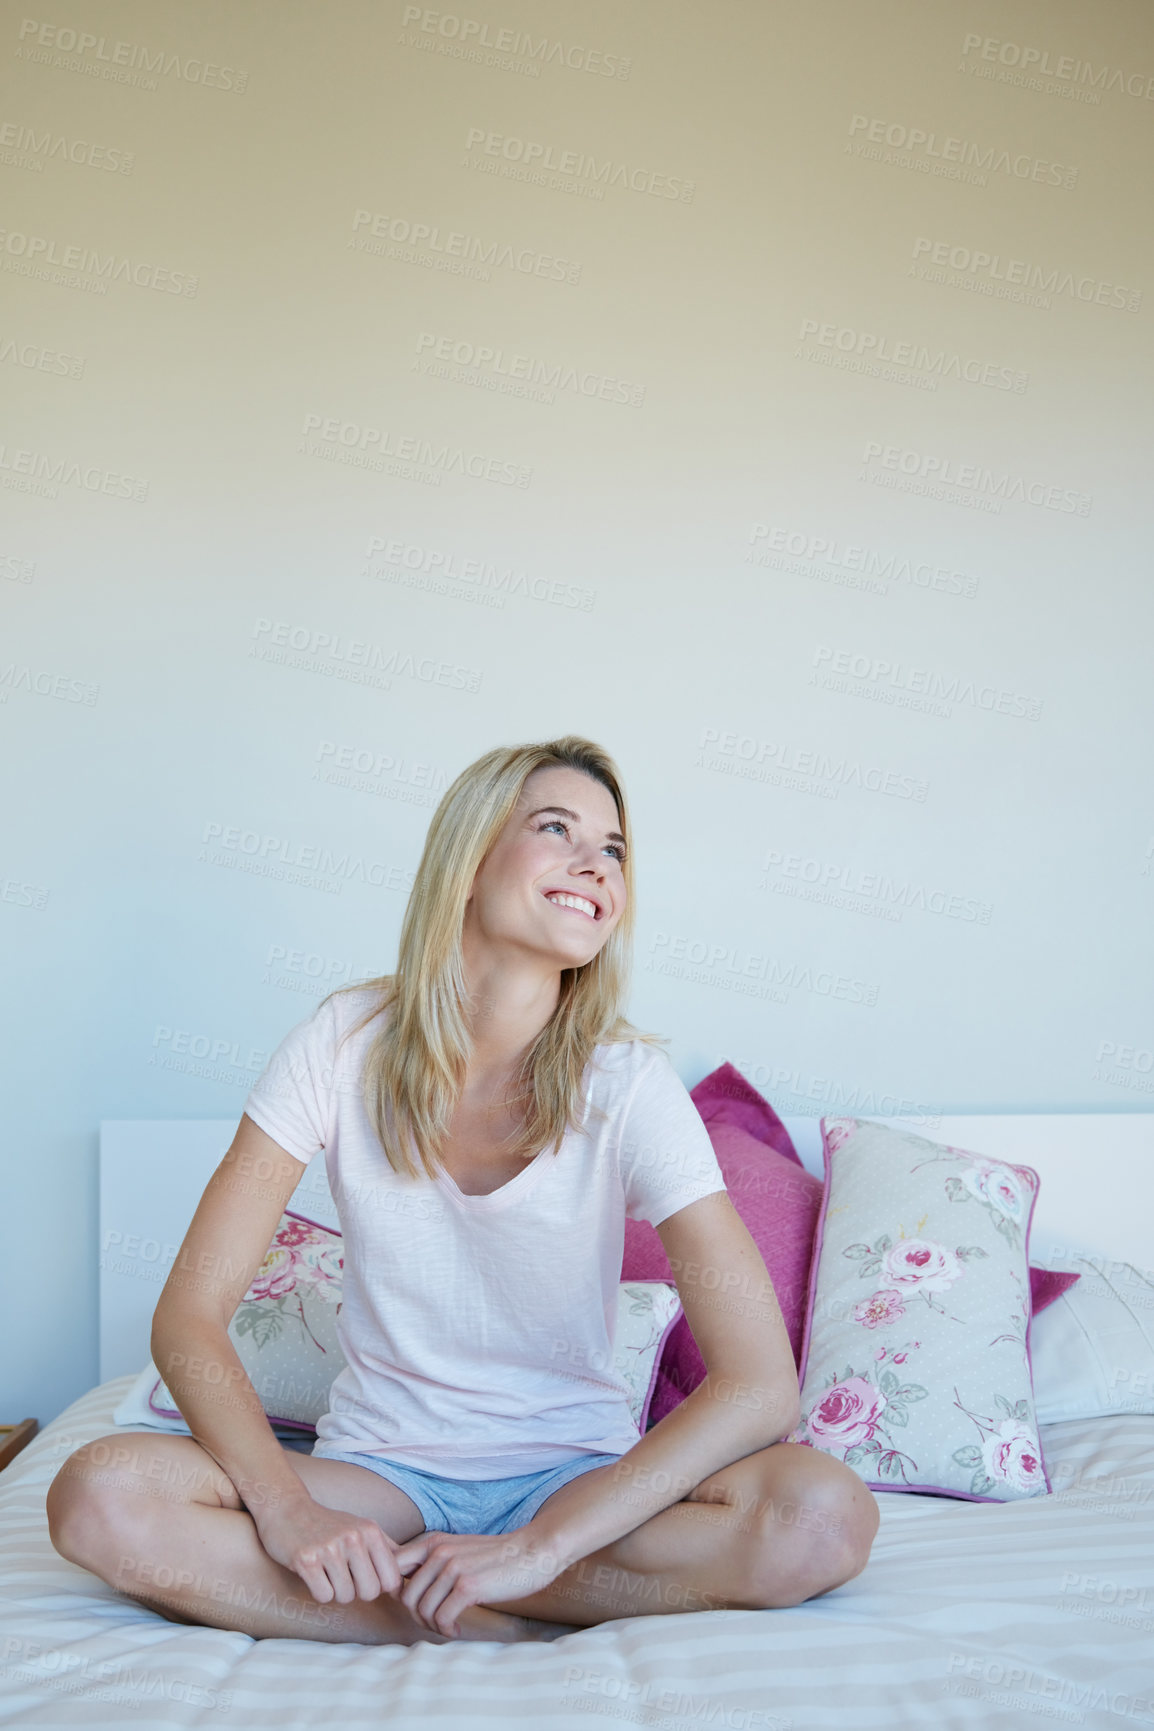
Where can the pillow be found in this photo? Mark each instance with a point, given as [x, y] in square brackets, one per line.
[285, 1326]
[1047, 1284]
[776, 1198]
[647, 1313]
[916, 1364]
[1094, 1353]
[284, 1333]
[725, 1097]
[779, 1201]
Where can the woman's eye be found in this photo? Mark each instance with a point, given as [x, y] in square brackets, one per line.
[615, 849]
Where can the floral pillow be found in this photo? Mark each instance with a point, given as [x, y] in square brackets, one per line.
[779, 1201]
[285, 1332]
[915, 1366]
[285, 1326]
[647, 1313]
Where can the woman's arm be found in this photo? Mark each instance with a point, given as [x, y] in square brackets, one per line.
[222, 1250]
[748, 1400]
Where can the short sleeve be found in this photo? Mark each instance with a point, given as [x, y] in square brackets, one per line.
[292, 1097]
[666, 1157]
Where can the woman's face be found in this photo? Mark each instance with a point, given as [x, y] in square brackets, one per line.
[542, 854]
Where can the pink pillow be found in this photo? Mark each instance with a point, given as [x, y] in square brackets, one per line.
[725, 1097]
[1047, 1284]
[776, 1198]
[779, 1202]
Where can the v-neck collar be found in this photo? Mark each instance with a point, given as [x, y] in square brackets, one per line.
[487, 1200]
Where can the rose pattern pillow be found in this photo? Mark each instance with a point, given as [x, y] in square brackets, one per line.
[779, 1202]
[915, 1367]
[647, 1313]
[285, 1330]
[285, 1327]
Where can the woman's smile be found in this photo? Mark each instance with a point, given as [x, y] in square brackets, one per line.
[573, 903]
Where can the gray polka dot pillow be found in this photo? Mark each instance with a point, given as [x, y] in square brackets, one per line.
[915, 1366]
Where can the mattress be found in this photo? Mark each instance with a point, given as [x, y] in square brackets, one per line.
[992, 1614]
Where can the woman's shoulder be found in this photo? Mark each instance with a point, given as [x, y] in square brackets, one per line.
[619, 1064]
[357, 1010]
[353, 1002]
[344, 1017]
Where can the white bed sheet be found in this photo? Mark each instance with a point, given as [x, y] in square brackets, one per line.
[956, 1599]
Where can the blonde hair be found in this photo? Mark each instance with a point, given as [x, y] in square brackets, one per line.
[416, 1065]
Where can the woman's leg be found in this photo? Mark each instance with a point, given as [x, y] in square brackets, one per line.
[156, 1518]
[782, 1525]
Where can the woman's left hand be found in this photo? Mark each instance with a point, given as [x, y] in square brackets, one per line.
[448, 1572]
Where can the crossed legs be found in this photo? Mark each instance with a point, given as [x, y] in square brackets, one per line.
[156, 1518]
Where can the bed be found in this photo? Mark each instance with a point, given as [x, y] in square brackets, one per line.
[967, 1613]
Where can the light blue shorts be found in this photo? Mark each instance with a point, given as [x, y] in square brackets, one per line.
[475, 1505]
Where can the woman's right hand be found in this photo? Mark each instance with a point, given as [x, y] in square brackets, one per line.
[337, 1555]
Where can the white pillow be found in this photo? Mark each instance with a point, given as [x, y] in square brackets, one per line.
[646, 1312]
[1092, 1349]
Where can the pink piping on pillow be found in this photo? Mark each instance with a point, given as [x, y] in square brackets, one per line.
[1029, 1325]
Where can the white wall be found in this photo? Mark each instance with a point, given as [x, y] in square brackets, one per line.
[831, 526]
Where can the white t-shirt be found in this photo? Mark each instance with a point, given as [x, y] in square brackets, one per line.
[478, 1330]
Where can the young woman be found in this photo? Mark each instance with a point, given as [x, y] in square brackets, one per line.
[489, 1119]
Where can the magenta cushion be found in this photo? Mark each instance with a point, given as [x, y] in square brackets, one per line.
[725, 1097]
[1047, 1284]
[779, 1201]
[776, 1198]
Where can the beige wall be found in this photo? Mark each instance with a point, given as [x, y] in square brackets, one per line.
[762, 390]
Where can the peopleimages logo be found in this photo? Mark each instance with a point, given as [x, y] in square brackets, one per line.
[352, 658]
[474, 33]
[919, 146]
[715, 964]
[272, 855]
[942, 363]
[1020, 273]
[576, 165]
[39, 250]
[40, 147]
[808, 770]
[871, 892]
[109, 58]
[1064, 66]
[496, 368]
[41, 360]
[369, 447]
[865, 675]
[973, 478]
[450, 249]
[445, 566]
[37, 472]
[855, 559]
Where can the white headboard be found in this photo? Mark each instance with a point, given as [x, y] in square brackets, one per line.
[1097, 1196]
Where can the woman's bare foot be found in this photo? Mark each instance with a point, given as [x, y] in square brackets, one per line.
[479, 1623]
